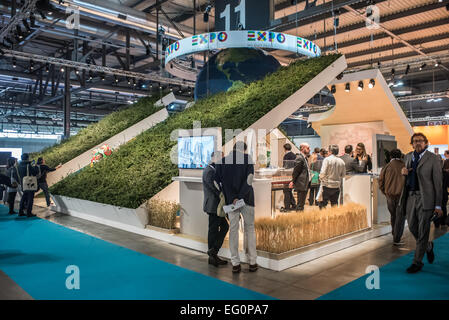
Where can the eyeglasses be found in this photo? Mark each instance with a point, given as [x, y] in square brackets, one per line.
[418, 141]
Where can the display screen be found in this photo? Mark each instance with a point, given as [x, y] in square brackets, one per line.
[195, 152]
[384, 147]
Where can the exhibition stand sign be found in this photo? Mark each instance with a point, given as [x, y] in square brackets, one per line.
[241, 39]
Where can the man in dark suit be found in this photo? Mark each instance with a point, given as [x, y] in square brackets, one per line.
[421, 197]
[218, 226]
[301, 176]
[288, 163]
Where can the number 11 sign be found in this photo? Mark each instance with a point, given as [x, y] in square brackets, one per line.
[242, 14]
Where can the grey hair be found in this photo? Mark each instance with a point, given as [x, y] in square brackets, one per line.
[333, 148]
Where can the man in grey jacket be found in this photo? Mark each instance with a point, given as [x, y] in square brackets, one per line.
[421, 197]
[218, 226]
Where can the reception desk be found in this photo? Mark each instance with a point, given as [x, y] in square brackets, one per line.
[362, 189]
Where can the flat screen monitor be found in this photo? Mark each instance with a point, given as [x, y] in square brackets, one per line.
[384, 147]
[195, 152]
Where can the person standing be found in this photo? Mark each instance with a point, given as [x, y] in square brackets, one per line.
[421, 197]
[25, 169]
[218, 226]
[332, 173]
[348, 160]
[444, 220]
[235, 176]
[288, 163]
[43, 169]
[362, 161]
[391, 184]
[301, 176]
[315, 169]
[12, 190]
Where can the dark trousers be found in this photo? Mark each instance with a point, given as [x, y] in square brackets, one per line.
[397, 219]
[302, 195]
[444, 220]
[330, 194]
[419, 225]
[312, 194]
[11, 200]
[44, 187]
[289, 200]
[218, 228]
[27, 200]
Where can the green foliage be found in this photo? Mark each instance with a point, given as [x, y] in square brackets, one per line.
[96, 133]
[142, 167]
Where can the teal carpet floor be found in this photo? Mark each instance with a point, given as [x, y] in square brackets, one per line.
[35, 253]
[431, 283]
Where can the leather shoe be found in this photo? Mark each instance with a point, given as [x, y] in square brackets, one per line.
[12, 212]
[220, 261]
[253, 267]
[213, 261]
[31, 215]
[430, 254]
[414, 268]
[21, 214]
[236, 269]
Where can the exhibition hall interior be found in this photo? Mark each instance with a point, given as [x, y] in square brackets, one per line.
[224, 150]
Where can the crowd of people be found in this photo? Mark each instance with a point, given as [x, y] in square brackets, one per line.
[319, 174]
[24, 178]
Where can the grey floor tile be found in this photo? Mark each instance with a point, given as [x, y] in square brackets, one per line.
[293, 293]
[11, 290]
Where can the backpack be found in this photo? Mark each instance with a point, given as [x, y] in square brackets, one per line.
[29, 183]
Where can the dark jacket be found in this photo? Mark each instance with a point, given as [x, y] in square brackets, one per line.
[22, 168]
[211, 193]
[288, 162]
[300, 176]
[233, 177]
[5, 180]
[348, 163]
[44, 170]
[363, 167]
[430, 181]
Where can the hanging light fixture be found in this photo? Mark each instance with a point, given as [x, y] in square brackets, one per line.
[360, 87]
[347, 87]
[371, 84]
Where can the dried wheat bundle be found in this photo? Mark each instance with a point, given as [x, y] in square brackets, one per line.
[295, 230]
[162, 213]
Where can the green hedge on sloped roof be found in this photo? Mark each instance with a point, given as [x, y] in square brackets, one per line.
[142, 167]
[98, 132]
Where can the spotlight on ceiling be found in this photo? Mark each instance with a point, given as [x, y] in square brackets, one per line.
[393, 72]
[91, 75]
[360, 87]
[407, 69]
[14, 62]
[62, 69]
[128, 80]
[340, 76]
[47, 68]
[371, 84]
[333, 89]
[115, 79]
[103, 77]
[347, 87]
[309, 124]
[437, 64]
[422, 66]
[77, 71]
[31, 65]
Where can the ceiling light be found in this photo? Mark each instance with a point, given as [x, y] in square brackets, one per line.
[77, 71]
[407, 69]
[437, 64]
[360, 87]
[47, 68]
[371, 84]
[14, 62]
[62, 69]
[333, 89]
[347, 87]
[422, 66]
[31, 65]
[393, 72]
